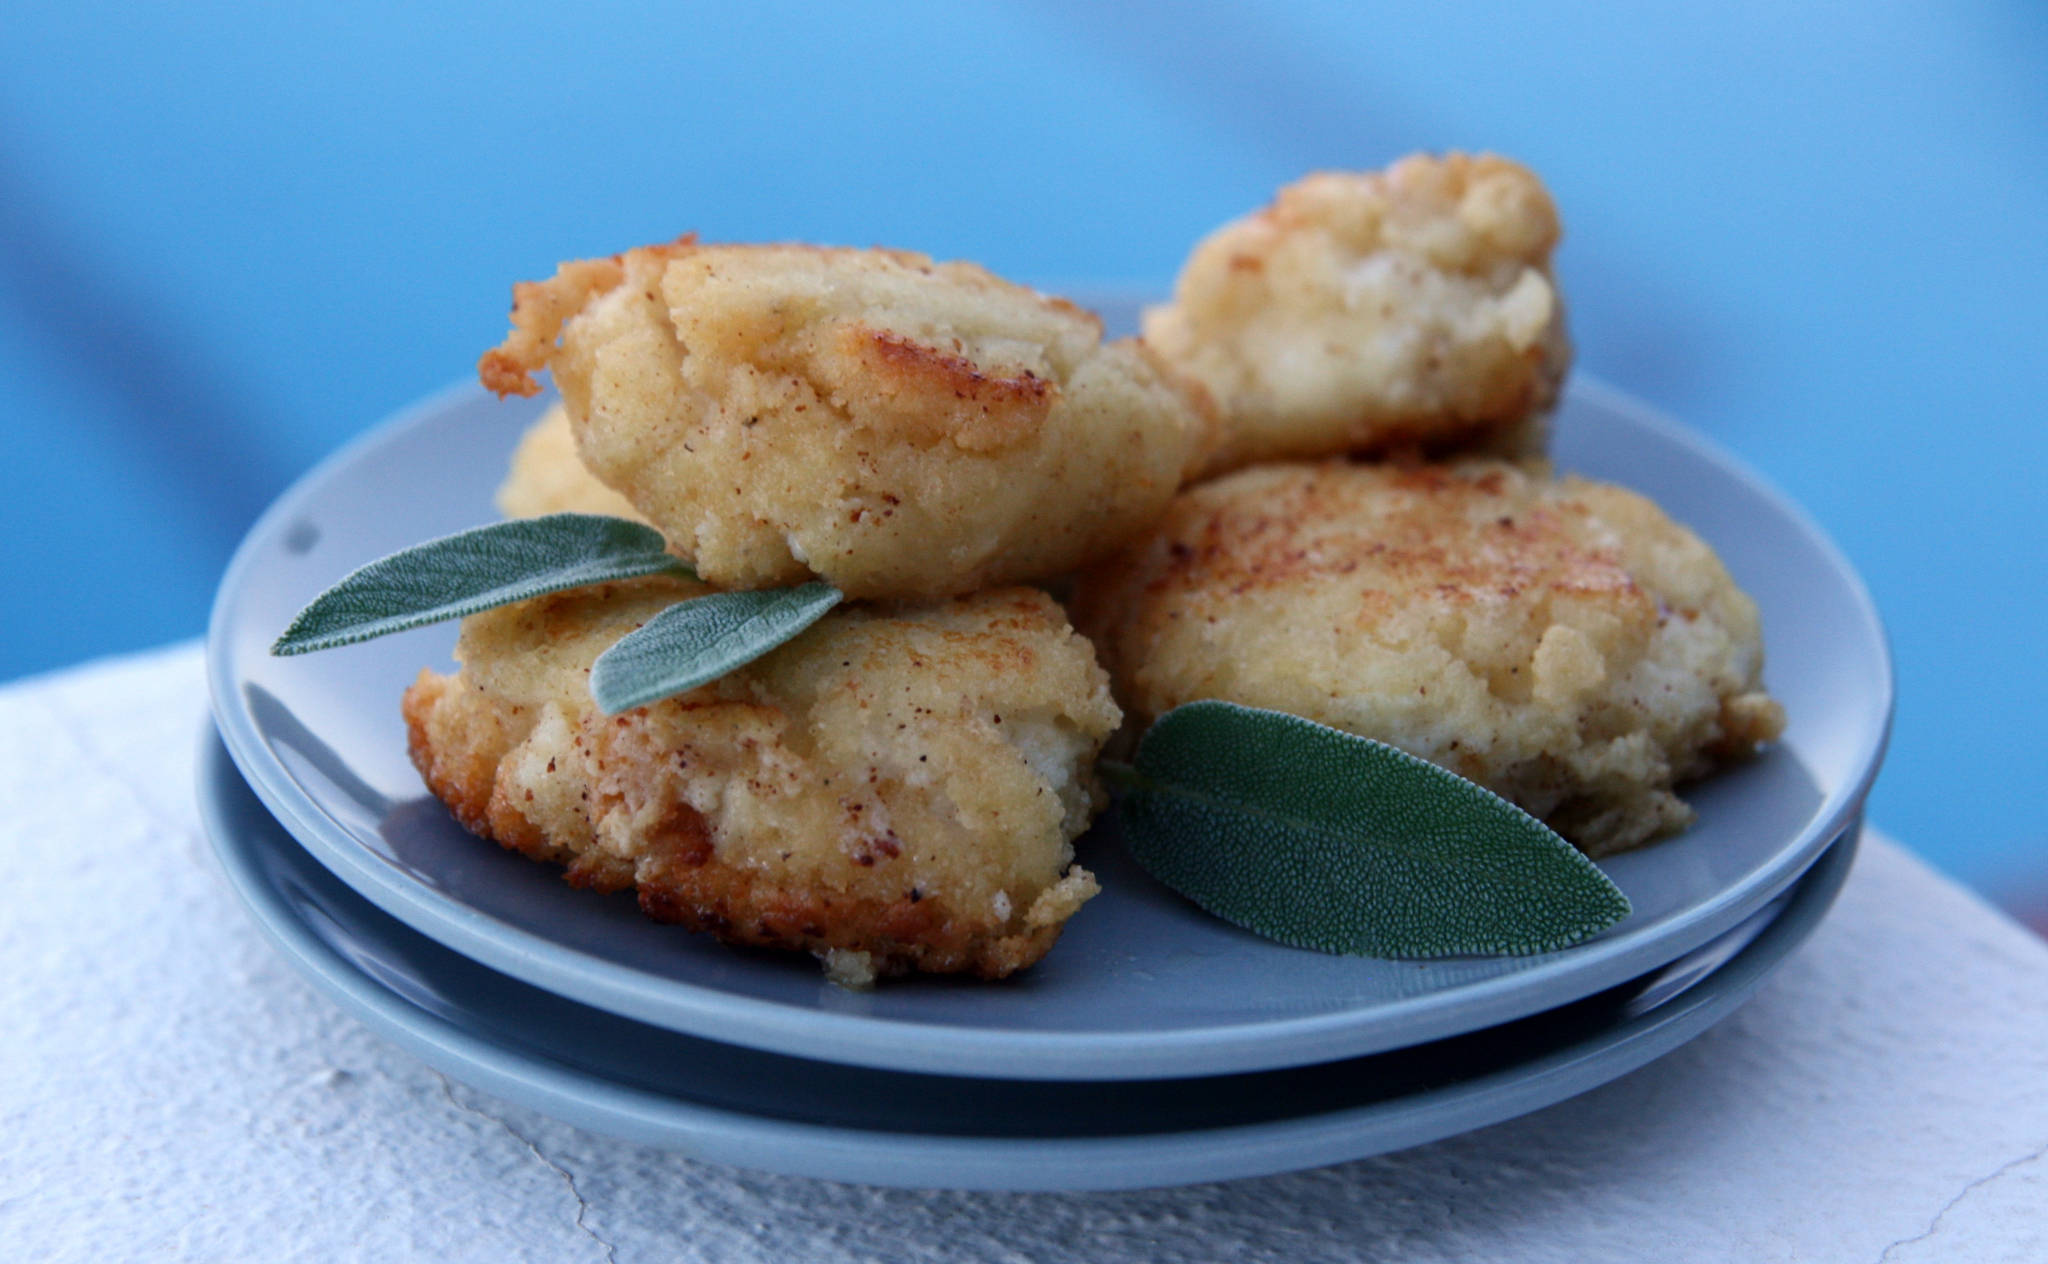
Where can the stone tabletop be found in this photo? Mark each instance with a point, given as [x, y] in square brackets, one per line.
[170, 1090]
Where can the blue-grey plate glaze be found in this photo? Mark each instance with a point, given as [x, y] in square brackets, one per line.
[1142, 985]
[729, 1104]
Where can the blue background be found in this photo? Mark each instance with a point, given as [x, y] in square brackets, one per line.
[234, 235]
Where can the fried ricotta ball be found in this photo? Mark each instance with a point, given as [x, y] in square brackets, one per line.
[1373, 312]
[548, 477]
[895, 426]
[896, 789]
[1559, 641]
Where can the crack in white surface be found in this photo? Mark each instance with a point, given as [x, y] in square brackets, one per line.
[611, 1253]
[1934, 1225]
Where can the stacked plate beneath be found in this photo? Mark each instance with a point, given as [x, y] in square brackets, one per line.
[1155, 1044]
[744, 1106]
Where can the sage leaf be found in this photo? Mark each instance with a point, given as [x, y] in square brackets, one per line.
[700, 640]
[474, 570]
[1321, 839]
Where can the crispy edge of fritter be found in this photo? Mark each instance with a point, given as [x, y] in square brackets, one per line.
[541, 308]
[689, 886]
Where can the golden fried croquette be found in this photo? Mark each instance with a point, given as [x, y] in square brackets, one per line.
[898, 427]
[1559, 641]
[896, 789]
[1372, 312]
[548, 477]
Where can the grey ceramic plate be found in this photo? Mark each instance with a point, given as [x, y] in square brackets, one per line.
[713, 1101]
[1142, 985]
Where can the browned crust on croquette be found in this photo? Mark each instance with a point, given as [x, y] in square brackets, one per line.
[460, 779]
[979, 411]
[465, 778]
[1244, 552]
[680, 878]
[901, 935]
[541, 308]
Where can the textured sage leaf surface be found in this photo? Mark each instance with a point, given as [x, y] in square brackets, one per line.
[474, 570]
[700, 640]
[1323, 840]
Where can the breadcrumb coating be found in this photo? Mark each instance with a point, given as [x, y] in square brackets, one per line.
[896, 789]
[1371, 312]
[1560, 641]
[895, 426]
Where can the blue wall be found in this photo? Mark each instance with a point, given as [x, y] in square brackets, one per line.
[233, 235]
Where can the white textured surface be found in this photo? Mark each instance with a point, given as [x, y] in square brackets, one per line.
[170, 1090]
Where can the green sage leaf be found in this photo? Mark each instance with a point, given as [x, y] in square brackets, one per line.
[1324, 840]
[700, 640]
[474, 570]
